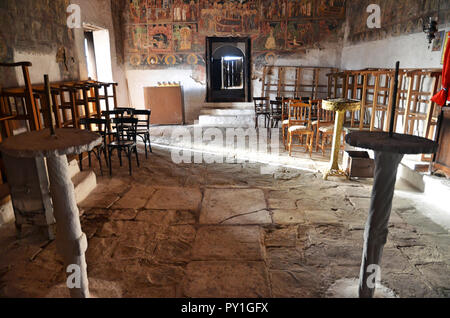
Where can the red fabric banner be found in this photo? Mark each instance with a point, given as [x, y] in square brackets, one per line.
[441, 97]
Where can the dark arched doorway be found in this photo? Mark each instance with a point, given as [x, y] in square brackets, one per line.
[228, 69]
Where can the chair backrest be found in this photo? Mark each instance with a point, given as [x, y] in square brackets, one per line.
[324, 116]
[126, 110]
[125, 128]
[299, 113]
[111, 114]
[276, 107]
[285, 110]
[261, 103]
[100, 124]
[143, 117]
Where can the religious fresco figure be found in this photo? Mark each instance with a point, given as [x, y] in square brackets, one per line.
[193, 9]
[186, 38]
[177, 10]
[271, 42]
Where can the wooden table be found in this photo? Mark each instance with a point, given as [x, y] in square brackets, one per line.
[340, 106]
[71, 242]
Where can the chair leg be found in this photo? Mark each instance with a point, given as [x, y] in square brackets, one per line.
[129, 160]
[137, 156]
[290, 143]
[119, 151]
[149, 143]
[324, 139]
[90, 160]
[110, 163]
[311, 138]
[145, 146]
[317, 140]
[80, 158]
[99, 157]
[106, 155]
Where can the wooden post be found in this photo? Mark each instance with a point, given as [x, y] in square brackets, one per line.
[391, 100]
[375, 102]
[34, 122]
[363, 102]
[408, 102]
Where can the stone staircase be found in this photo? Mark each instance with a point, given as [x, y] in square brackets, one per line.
[227, 115]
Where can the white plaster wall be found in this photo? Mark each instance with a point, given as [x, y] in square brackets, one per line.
[411, 50]
[194, 92]
[42, 64]
[98, 13]
[329, 56]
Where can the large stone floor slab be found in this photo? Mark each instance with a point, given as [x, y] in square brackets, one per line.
[228, 243]
[222, 205]
[175, 198]
[226, 279]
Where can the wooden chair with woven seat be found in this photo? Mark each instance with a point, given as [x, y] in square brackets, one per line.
[323, 127]
[299, 124]
[284, 117]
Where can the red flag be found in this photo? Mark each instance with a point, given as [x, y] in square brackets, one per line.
[441, 97]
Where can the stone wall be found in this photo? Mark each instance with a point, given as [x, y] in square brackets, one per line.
[36, 31]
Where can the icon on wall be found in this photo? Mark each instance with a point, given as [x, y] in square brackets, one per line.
[437, 43]
[445, 47]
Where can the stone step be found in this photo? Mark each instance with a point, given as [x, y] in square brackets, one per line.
[227, 121]
[74, 168]
[229, 105]
[227, 112]
[6, 208]
[84, 183]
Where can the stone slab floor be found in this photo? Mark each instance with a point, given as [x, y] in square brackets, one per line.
[226, 230]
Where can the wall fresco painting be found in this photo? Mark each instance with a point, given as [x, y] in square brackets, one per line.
[165, 33]
[413, 15]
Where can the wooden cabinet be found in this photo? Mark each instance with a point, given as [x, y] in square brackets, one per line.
[166, 104]
[442, 157]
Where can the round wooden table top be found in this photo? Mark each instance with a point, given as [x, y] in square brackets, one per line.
[399, 143]
[341, 104]
[42, 144]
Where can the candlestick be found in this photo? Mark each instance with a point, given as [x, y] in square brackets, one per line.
[394, 100]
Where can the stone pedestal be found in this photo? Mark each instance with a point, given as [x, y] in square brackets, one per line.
[340, 106]
[389, 152]
[70, 240]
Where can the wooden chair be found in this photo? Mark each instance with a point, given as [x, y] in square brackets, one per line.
[261, 109]
[323, 127]
[110, 115]
[100, 127]
[143, 127]
[21, 101]
[276, 113]
[125, 132]
[299, 124]
[284, 116]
